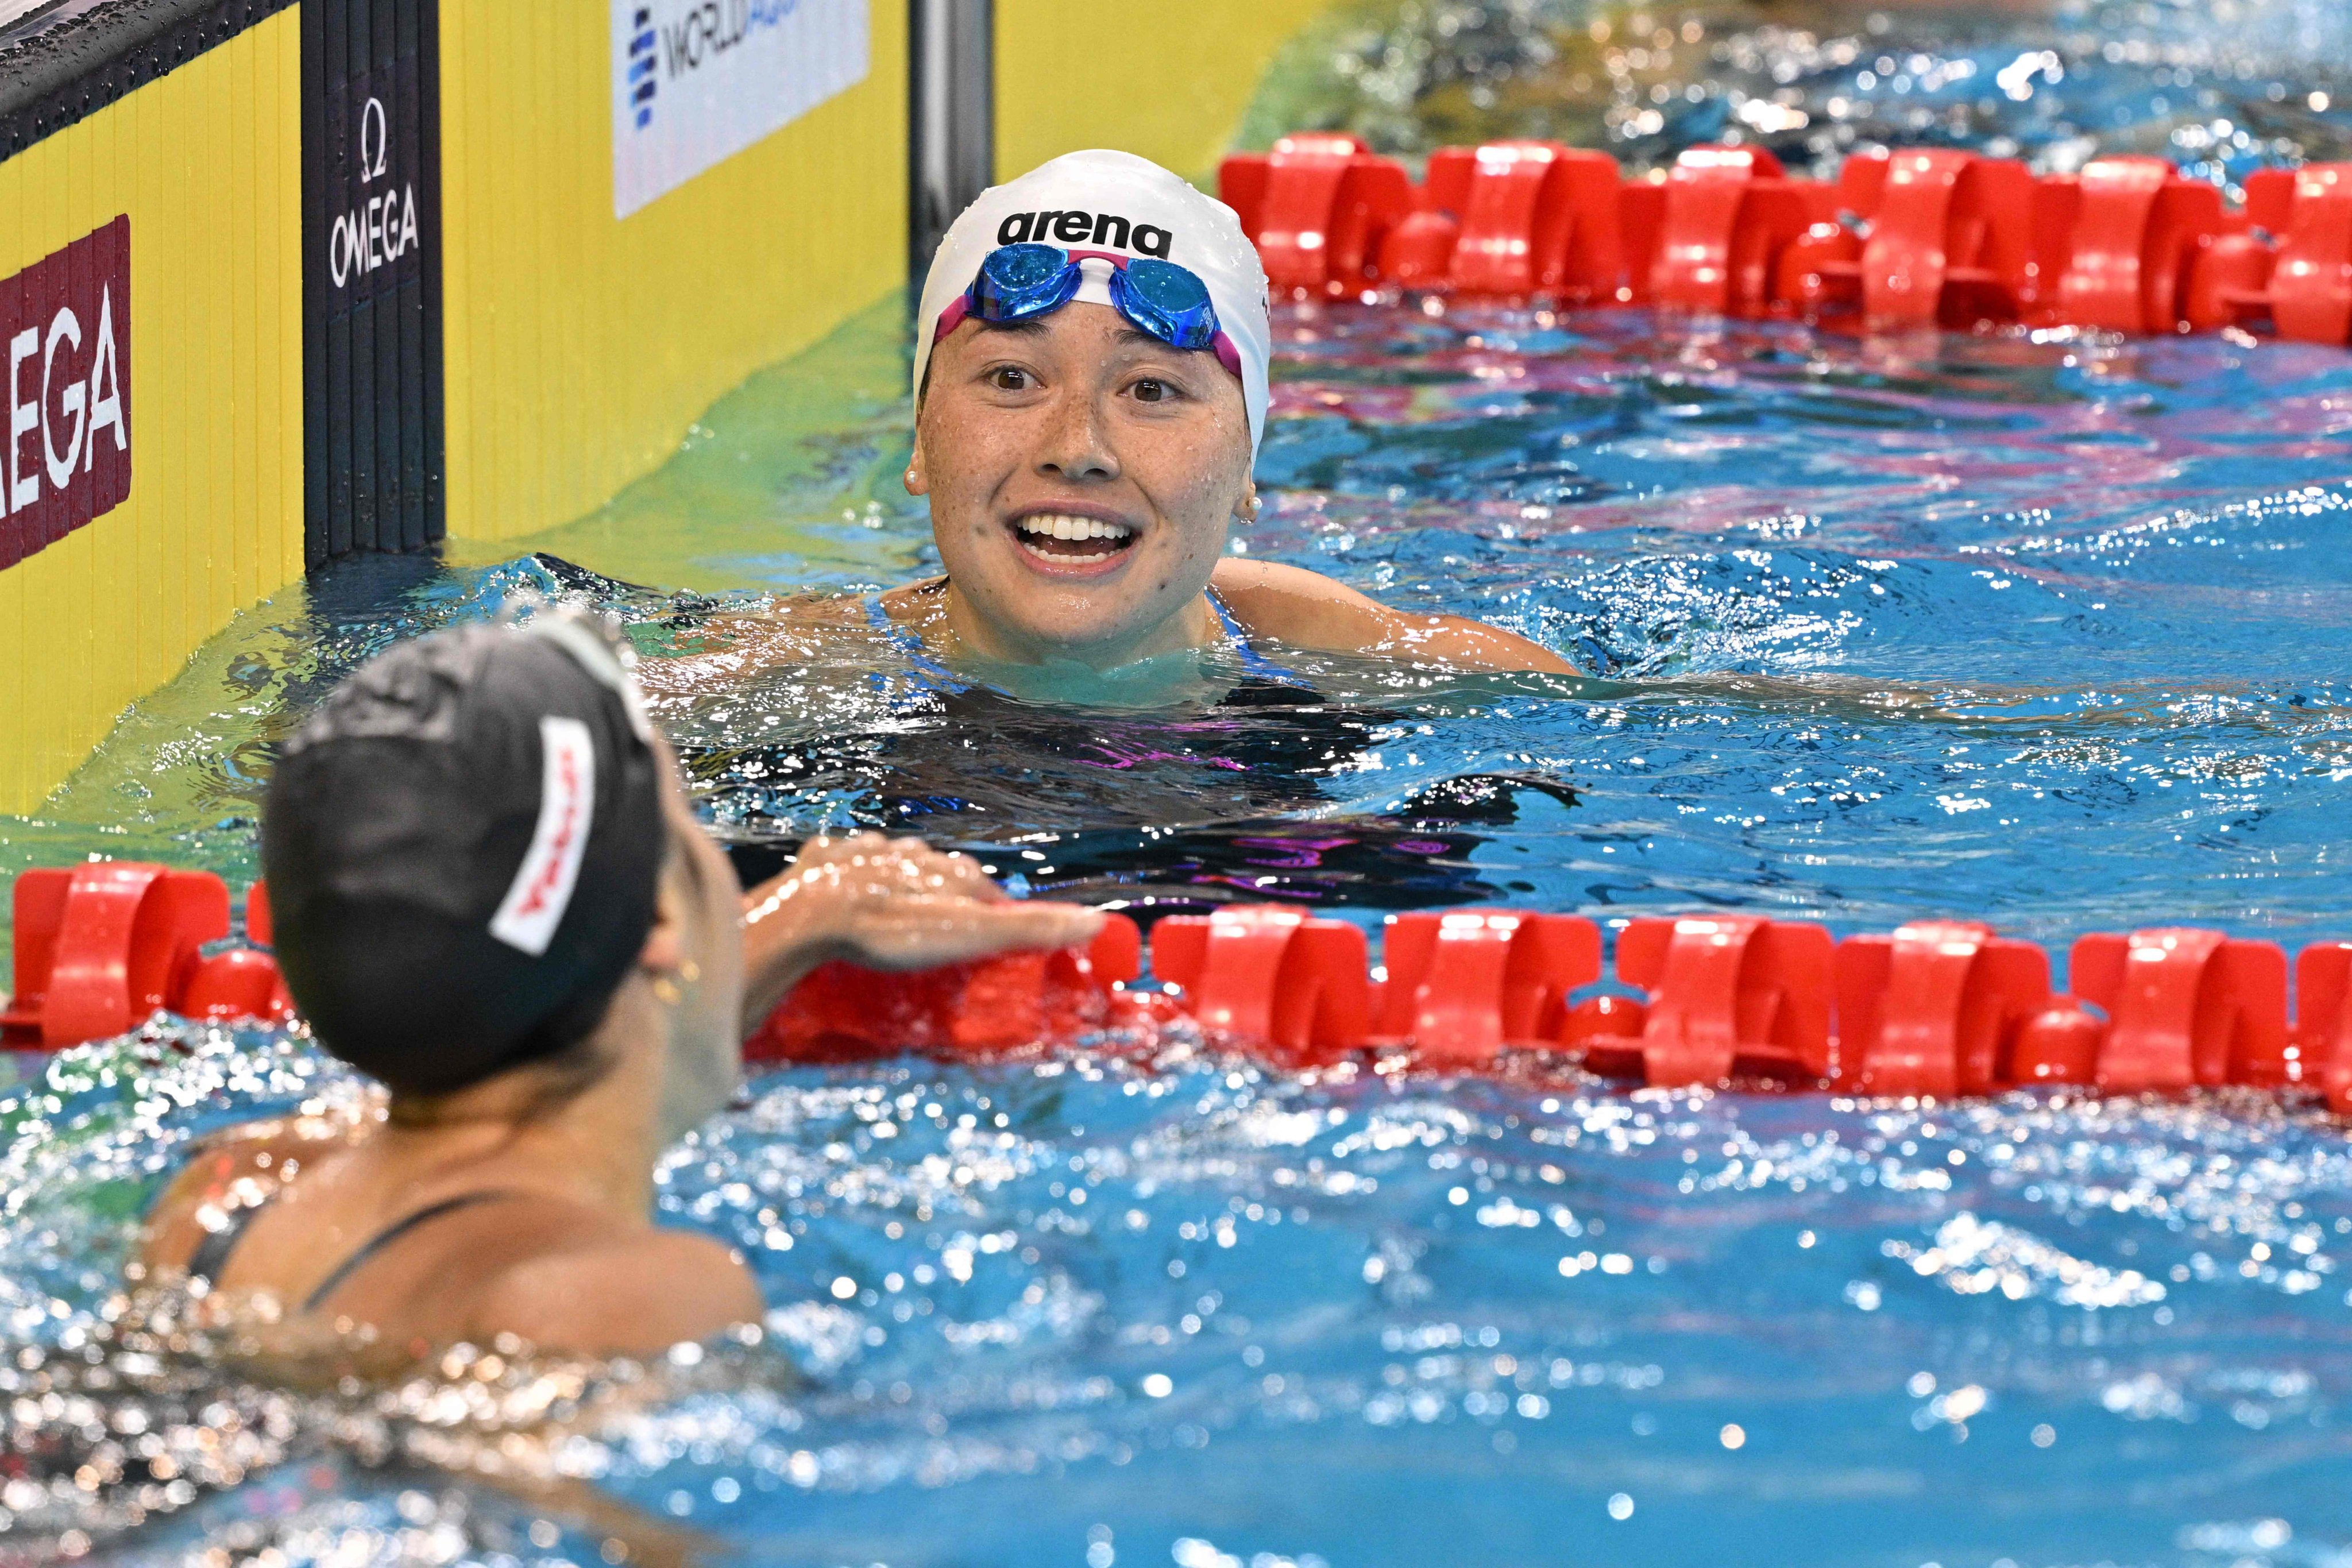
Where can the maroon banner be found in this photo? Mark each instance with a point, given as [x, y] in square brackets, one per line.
[65, 406]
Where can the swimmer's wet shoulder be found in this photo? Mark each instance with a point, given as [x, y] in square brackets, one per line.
[1308, 610]
[334, 1230]
[1266, 602]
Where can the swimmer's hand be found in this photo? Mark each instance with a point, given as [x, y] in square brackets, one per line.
[887, 903]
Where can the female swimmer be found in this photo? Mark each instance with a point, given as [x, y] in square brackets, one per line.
[492, 898]
[1090, 391]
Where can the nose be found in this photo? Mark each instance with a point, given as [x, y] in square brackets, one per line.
[1075, 446]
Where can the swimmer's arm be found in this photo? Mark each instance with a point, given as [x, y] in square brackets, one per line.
[887, 903]
[634, 1294]
[730, 648]
[1308, 609]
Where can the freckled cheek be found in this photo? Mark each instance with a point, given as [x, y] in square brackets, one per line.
[1193, 497]
[972, 456]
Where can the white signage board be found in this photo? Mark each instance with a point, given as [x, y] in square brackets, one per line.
[697, 81]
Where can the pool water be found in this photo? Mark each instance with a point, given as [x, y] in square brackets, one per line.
[2053, 630]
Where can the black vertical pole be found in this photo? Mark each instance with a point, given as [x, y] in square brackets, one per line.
[316, 545]
[950, 118]
[372, 276]
[432, 516]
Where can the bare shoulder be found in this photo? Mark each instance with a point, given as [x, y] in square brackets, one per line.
[798, 630]
[231, 1169]
[1308, 609]
[1300, 608]
[914, 605]
[629, 1292]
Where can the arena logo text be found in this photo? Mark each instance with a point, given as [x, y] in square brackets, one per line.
[1085, 228]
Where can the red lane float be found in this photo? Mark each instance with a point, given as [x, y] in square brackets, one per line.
[1728, 994]
[1914, 237]
[1729, 214]
[2059, 1045]
[2323, 989]
[1539, 218]
[1318, 207]
[2137, 231]
[1952, 243]
[1463, 984]
[2186, 1007]
[2289, 261]
[99, 947]
[1270, 974]
[1419, 252]
[1936, 1009]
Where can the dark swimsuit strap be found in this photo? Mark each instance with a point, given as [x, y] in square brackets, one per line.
[211, 1254]
[392, 1233]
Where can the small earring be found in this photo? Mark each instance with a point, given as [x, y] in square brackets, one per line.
[665, 990]
[690, 973]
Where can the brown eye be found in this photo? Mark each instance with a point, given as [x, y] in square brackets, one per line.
[1150, 390]
[1009, 378]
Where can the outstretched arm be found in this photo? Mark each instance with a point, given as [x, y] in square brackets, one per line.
[887, 903]
[1308, 609]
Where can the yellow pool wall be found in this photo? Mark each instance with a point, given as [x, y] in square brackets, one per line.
[1168, 82]
[207, 163]
[579, 348]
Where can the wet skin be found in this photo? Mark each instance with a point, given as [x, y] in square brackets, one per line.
[1078, 416]
[1075, 422]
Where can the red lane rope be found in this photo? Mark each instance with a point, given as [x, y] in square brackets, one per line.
[1935, 1008]
[1907, 237]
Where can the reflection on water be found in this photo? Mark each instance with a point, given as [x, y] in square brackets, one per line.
[1355, 1315]
[2051, 629]
[2220, 87]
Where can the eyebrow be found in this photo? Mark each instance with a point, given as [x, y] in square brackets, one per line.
[1027, 326]
[1135, 338]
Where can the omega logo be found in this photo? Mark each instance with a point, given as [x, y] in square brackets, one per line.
[382, 229]
[374, 125]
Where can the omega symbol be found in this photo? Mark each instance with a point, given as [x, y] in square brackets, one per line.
[375, 133]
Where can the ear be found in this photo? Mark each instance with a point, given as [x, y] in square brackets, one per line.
[918, 480]
[664, 953]
[1248, 508]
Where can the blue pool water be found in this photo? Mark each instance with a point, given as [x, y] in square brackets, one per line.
[2049, 631]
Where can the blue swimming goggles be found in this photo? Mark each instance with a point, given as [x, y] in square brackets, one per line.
[1161, 298]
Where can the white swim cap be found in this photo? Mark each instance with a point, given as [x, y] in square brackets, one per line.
[1116, 202]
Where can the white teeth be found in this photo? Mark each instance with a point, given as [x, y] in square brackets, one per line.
[1054, 525]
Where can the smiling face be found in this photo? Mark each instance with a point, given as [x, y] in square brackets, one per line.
[1082, 477]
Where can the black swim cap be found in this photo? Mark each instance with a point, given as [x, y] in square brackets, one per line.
[462, 846]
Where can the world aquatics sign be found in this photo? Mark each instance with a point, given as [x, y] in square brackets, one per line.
[697, 81]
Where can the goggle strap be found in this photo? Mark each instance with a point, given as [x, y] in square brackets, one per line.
[960, 309]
